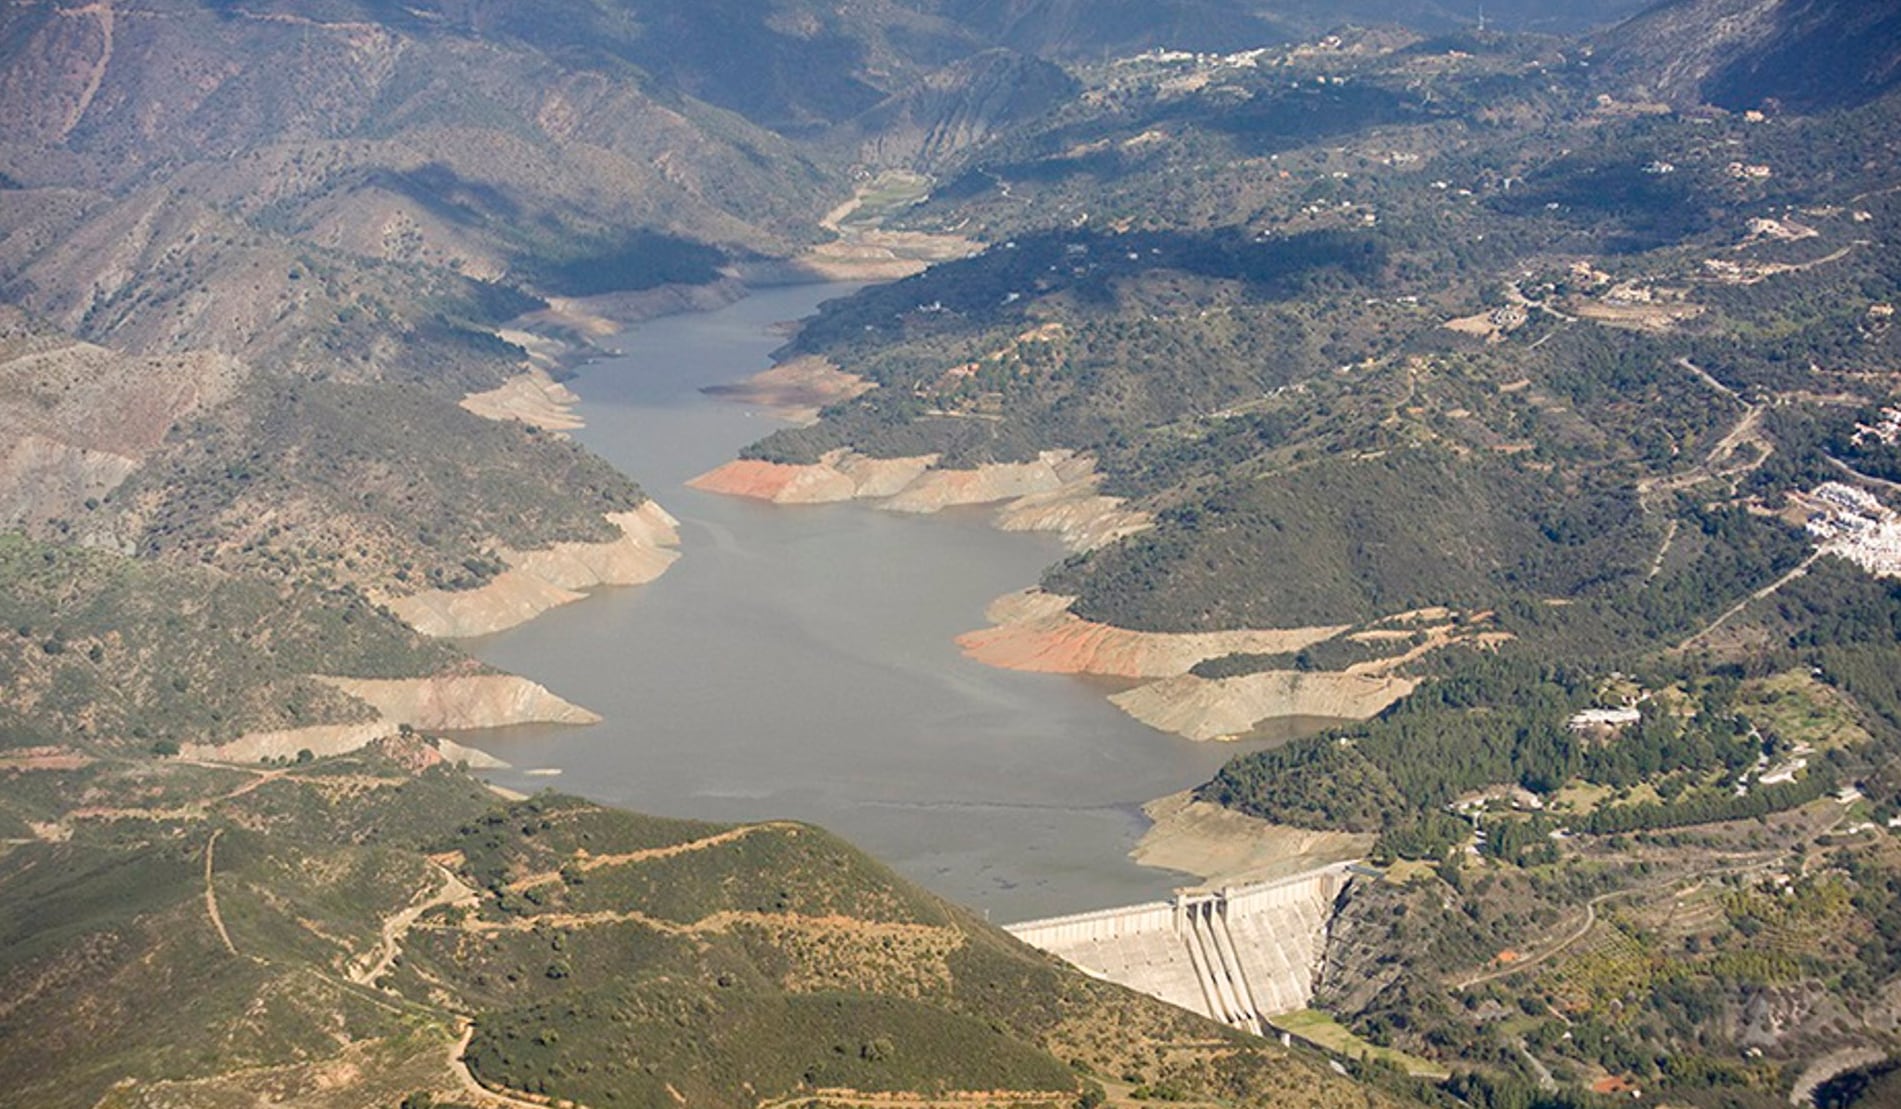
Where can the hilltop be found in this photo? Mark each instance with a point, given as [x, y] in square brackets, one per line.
[376, 927]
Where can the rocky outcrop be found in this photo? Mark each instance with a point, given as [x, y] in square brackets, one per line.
[1057, 491]
[1226, 708]
[1034, 630]
[539, 580]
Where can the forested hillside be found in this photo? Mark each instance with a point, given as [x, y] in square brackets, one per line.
[1389, 325]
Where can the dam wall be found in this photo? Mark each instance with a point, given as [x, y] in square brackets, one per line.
[1240, 955]
[1095, 926]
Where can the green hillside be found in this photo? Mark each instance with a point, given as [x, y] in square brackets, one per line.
[1395, 323]
[336, 923]
[1556, 336]
[102, 651]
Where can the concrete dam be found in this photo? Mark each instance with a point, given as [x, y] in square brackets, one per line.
[1241, 954]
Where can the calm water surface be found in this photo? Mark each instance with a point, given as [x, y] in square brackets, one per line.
[797, 662]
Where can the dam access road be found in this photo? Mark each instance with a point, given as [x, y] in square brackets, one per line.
[798, 662]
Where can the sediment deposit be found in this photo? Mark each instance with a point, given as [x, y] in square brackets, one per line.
[455, 701]
[330, 739]
[597, 317]
[318, 739]
[462, 702]
[870, 256]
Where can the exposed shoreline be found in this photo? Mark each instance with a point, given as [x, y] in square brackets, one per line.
[1056, 492]
[441, 702]
[795, 389]
[1035, 631]
[533, 397]
[556, 340]
[534, 582]
[1222, 847]
[1228, 708]
[546, 578]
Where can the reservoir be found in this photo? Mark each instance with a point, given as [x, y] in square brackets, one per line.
[797, 662]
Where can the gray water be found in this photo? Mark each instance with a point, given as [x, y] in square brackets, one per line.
[798, 662]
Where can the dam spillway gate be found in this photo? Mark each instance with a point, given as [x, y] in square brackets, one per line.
[1240, 955]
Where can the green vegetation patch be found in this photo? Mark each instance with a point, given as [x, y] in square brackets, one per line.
[641, 1046]
[1337, 653]
[1321, 1028]
[578, 858]
[642, 260]
[1503, 720]
[105, 649]
[1349, 540]
[791, 869]
[330, 483]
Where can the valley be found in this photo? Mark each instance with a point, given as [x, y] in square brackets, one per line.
[1371, 528]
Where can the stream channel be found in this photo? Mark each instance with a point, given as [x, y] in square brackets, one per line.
[798, 662]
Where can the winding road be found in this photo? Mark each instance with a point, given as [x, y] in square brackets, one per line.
[211, 894]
